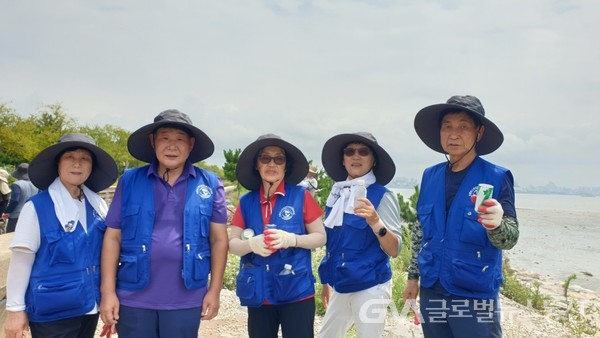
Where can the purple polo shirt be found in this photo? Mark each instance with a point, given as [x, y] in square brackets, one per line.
[166, 290]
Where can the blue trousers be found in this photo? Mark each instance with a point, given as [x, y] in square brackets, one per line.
[449, 316]
[144, 323]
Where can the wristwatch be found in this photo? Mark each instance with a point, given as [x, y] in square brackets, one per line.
[382, 231]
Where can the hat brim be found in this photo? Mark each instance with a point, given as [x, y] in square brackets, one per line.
[332, 158]
[428, 128]
[139, 145]
[247, 174]
[43, 169]
[19, 175]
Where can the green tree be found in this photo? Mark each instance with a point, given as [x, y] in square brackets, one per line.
[23, 138]
[232, 156]
[212, 167]
[324, 184]
[114, 141]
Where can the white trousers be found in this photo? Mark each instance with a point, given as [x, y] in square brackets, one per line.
[367, 309]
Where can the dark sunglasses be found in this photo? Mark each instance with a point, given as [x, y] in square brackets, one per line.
[266, 159]
[364, 151]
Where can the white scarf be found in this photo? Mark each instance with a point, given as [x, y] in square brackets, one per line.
[66, 209]
[341, 199]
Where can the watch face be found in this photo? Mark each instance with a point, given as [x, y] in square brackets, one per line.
[382, 232]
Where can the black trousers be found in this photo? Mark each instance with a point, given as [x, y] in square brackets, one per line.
[297, 320]
[75, 327]
[11, 225]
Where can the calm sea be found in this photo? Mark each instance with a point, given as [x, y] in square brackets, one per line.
[543, 201]
[558, 237]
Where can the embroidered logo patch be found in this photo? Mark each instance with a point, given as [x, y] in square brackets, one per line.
[97, 216]
[204, 191]
[473, 191]
[70, 226]
[286, 213]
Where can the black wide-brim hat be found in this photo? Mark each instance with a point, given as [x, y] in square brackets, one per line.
[139, 145]
[43, 169]
[332, 157]
[296, 166]
[427, 124]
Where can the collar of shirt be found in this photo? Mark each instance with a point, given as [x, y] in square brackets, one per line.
[267, 209]
[188, 170]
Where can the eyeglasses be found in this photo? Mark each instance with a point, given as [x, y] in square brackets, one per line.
[266, 159]
[363, 152]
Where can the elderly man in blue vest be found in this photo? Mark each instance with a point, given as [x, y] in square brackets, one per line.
[457, 247]
[165, 234]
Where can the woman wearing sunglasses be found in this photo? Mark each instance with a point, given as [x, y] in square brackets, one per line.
[274, 228]
[362, 234]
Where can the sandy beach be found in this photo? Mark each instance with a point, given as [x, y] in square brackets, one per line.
[557, 243]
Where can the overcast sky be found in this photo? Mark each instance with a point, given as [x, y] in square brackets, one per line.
[308, 70]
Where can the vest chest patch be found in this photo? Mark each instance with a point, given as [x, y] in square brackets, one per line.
[286, 213]
[204, 191]
[473, 191]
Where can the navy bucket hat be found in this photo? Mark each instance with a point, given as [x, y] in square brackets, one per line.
[427, 123]
[139, 145]
[43, 168]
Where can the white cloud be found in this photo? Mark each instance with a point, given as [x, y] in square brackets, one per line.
[308, 70]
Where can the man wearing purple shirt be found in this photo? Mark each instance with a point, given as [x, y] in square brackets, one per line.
[166, 233]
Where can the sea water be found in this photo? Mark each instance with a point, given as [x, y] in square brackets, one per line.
[558, 237]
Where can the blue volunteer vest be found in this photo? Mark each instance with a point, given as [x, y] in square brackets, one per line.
[354, 260]
[137, 212]
[259, 277]
[455, 248]
[65, 278]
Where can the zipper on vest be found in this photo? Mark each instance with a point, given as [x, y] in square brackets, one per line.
[87, 270]
[478, 254]
[267, 266]
[143, 248]
[187, 247]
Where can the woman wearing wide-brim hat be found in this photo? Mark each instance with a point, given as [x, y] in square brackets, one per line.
[275, 280]
[362, 234]
[53, 277]
[457, 246]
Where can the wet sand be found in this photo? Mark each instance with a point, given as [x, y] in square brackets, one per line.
[557, 244]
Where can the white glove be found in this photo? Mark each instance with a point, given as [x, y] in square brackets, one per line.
[490, 214]
[280, 239]
[258, 245]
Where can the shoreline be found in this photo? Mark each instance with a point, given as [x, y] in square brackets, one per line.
[556, 244]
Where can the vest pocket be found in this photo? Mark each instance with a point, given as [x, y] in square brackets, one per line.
[426, 263]
[325, 273]
[472, 231]
[476, 277]
[249, 287]
[58, 297]
[202, 266]
[355, 235]
[128, 269]
[61, 247]
[129, 222]
[355, 271]
[290, 287]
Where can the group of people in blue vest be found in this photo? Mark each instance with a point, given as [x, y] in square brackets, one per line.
[152, 264]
